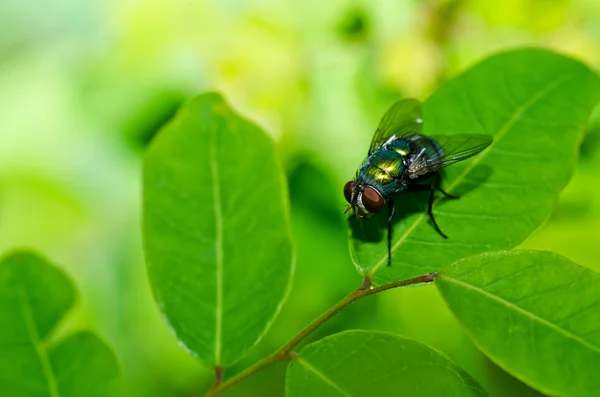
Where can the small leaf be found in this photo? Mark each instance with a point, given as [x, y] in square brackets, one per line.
[536, 314]
[366, 363]
[535, 104]
[34, 296]
[217, 236]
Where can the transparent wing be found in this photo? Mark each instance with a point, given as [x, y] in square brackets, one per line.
[454, 148]
[403, 118]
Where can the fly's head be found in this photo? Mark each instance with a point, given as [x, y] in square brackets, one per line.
[365, 200]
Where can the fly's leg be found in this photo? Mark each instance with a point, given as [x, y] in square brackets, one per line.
[450, 196]
[389, 225]
[432, 188]
[430, 206]
[438, 187]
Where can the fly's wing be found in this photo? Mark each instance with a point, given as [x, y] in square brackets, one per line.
[452, 149]
[402, 119]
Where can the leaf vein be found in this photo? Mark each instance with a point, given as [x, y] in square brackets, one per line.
[35, 340]
[526, 313]
[322, 376]
[214, 168]
[454, 243]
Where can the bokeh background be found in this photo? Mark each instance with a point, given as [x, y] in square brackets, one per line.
[85, 84]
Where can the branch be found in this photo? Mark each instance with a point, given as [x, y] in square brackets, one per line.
[285, 352]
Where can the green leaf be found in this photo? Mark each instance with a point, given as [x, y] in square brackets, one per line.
[367, 363]
[535, 104]
[217, 236]
[34, 296]
[533, 313]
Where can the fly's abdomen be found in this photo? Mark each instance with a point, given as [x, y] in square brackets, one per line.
[428, 147]
[423, 151]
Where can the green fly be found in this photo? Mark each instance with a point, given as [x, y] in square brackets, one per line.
[400, 157]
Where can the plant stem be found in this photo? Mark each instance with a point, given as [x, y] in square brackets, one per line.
[285, 352]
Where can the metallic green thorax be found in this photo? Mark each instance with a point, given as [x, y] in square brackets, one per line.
[386, 169]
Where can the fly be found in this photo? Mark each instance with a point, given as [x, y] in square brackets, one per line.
[399, 157]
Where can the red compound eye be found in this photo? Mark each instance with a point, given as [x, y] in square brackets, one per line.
[348, 191]
[372, 200]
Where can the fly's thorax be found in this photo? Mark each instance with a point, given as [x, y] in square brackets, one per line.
[385, 166]
[383, 171]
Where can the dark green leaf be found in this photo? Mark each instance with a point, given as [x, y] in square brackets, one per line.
[536, 314]
[535, 104]
[34, 296]
[365, 363]
[217, 237]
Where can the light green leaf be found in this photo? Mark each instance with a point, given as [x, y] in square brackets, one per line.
[535, 104]
[217, 236]
[536, 314]
[34, 296]
[367, 363]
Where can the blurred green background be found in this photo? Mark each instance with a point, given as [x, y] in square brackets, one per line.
[85, 84]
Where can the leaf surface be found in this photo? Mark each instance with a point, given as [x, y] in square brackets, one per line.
[536, 314]
[366, 363]
[216, 230]
[34, 296]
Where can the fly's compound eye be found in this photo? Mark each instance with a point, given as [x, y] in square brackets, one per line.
[372, 200]
[348, 191]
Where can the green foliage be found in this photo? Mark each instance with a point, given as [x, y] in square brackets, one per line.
[534, 313]
[537, 117]
[216, 229]
[219, 251]
[86, 86]
[34, 296]
[367, 363]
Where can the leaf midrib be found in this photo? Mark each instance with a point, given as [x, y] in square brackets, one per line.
[37, 343]
[322, 376]
[214, 169]
[519, 309]
[503, 130]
